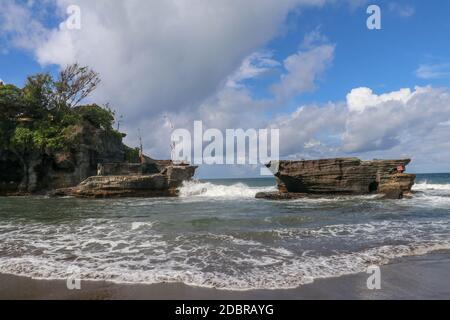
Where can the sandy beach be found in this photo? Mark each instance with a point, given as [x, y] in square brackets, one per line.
[420, 277]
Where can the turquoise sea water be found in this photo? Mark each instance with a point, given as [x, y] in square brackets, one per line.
[217, 235]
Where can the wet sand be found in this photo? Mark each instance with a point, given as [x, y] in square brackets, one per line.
[422, 277]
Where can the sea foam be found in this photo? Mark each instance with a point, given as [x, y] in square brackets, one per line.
[210, 190]
[425, 186]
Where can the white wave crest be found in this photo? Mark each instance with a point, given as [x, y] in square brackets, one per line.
[137, 225]
[210, 190]
[425, 186]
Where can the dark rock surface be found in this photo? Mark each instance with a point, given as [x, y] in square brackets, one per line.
[341, 176]
[281, 195]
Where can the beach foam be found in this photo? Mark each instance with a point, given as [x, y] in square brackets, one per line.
[136, 253]
[265, 272]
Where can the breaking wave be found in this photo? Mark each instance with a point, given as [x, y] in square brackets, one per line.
[210, 190]
[136, 253]
[265, 272]
[425, 186]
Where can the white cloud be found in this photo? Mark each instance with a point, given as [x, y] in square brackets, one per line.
[19, 27]
[305, 67]
[253, 66]
[403, 10]
[434, 71]
[167, 55]
[395, 124]
[398, 124]
[313, 39]
[308, 132]
[360, 99]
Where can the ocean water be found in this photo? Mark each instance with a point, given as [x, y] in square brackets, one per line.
[217, 235]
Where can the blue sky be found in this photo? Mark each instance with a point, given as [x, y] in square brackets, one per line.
[384, 60]
[312, 68]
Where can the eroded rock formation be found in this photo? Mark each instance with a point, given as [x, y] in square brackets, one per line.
[340, 176]
[132, 184]
[45, 170]
[75, 171]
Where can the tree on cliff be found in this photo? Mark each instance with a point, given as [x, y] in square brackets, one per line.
[11, 104]
[40, 118]
[75, 83]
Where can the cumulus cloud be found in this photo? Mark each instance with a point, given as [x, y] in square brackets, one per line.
[360, 99]
[312, 131]
[394, 121]
[165, 55]
[393, 124]
[404, 123]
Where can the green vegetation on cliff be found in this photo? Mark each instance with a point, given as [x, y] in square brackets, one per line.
[42, 114]
[47, 139]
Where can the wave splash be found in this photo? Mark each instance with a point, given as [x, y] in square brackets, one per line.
[242, 190]
[425, 186]
[210, 190]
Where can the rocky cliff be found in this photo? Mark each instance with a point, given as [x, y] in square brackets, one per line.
[45, 170]
[346, 176]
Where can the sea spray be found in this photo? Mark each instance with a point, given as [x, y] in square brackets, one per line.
[211, 190]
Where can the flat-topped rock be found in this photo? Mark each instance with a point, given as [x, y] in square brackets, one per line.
[345, 176]
[164, 184]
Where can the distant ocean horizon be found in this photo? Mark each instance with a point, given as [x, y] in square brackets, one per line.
[217, 235]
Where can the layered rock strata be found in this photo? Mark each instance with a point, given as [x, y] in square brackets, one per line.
[340, 176]
[163, 184]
